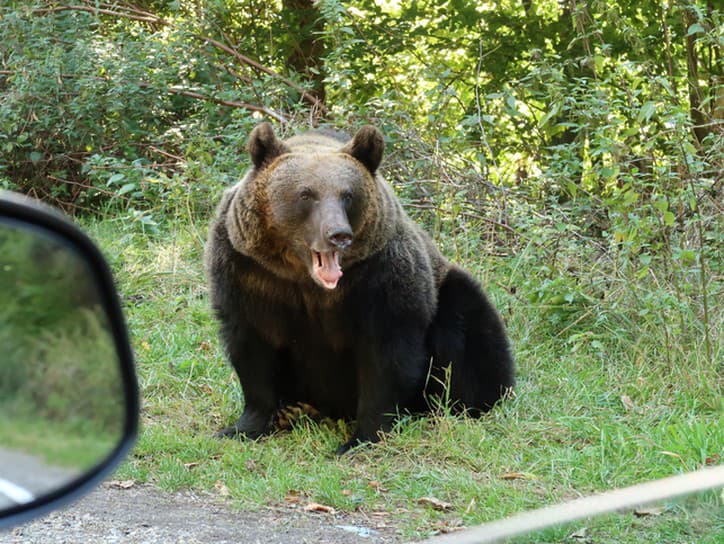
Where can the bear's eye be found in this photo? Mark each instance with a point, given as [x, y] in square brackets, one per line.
[347, 197]
[306, 194]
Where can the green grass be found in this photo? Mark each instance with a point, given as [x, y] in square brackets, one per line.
[697, 519]
[614, 388]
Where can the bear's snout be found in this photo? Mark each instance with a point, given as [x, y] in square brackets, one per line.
[334, 228]
[339, 237]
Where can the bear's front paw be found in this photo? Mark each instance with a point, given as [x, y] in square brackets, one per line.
[347, 446]
[250, 425]
[358, 439]
[233, 431]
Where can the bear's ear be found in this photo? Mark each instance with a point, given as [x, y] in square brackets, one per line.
[367, 147]
[264, 146]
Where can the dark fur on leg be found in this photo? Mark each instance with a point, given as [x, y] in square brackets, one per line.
[468, 334]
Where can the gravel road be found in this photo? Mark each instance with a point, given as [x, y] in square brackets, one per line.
[144, 515]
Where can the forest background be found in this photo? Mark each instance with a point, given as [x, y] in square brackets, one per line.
[567, 152]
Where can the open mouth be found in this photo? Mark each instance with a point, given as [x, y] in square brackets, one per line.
[325, 268]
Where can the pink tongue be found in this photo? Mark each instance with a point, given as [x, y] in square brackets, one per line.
[326, 268]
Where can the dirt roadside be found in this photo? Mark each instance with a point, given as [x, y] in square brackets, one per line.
[144, 515]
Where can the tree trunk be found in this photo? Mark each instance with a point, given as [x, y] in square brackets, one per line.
[698, 118]
[570, 137]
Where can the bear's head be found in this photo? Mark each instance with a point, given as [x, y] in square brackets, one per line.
[309, 203]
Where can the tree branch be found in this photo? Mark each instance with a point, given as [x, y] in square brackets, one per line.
[313, 100]
[149, 18]
[230, 103]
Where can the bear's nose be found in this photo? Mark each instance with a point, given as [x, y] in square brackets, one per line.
[340, 237]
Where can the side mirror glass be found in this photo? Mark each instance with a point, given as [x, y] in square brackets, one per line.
[68, 395]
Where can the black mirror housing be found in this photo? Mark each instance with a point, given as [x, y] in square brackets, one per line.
[29, 220]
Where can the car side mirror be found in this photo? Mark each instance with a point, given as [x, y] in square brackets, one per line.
[68, 391]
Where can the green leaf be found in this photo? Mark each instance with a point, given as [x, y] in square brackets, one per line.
[669, 218]
[629, 197]
[127, 188]
[572, 189]
[598, 62]
[607, 172]
[665, 84]
[35, 156]
[553, 111]
[696, 28]
[646, 111]
[662, 205]
[510, 102]
[687, 256]
[115, 178]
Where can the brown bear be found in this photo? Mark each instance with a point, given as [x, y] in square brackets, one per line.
[329, 294]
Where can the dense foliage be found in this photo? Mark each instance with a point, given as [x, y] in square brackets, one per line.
[528, 122]
[560, 97]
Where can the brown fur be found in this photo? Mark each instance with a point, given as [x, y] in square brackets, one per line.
[329, 294]
[249, 221]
